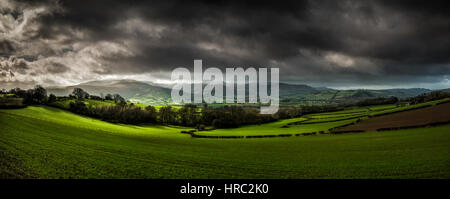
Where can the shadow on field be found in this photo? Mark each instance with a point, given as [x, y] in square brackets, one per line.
[11, 167]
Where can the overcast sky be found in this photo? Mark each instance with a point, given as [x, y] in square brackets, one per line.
[339, 44]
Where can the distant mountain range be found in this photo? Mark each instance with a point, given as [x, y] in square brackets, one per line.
[129, 89]
[333, 96]
[290, 94]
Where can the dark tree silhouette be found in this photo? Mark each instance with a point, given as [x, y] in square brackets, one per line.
[51, 98]
[80, 93]
[108, 97]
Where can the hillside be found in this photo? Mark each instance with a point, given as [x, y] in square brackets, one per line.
[43, 142]
[332, 96]
[423, 116]
[327, 122]
[133, 90]
[290, 94]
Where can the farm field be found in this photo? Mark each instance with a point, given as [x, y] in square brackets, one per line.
[411, 107]
[276, 128]
[427, 115]
[314, 123]
[45, 142]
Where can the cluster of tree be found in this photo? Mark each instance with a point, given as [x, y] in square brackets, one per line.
[131, 114]
[188, 115]
[431, 96]
[185, 116]
[289, 112]
[119, 113]
[37, 95]
[128, 114]
[320, 109]
[80, 94]
[377, 101]
[233, 116]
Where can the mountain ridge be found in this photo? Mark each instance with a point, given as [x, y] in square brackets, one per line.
[146, 93]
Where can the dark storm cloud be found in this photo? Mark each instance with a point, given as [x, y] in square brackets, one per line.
[56, 68]
[6, 47]
[335, 42]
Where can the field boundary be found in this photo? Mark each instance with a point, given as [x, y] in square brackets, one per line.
[399, 111]
[415, 126]
[338, 120]
[193, 135]
[331, 132]
[12, 106]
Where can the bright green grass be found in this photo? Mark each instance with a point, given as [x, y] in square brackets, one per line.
[65, 118]
[382, 107]
[309, 123]
[326, 116]
[275, 129]
[335, 119]
[314, 122]
[50, 143]
[352, 110]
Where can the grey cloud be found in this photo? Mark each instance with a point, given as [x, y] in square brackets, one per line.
[336, 42]
[56, 68]
[6, 47]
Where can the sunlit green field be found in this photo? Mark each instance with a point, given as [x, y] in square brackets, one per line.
[315, 122]
[43, 142]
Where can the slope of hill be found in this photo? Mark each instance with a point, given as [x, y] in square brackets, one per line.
[290, 94]
[130, 89]
[43, 142]
[417, 117]
[333, 96]
[149, 94]
[295, 89]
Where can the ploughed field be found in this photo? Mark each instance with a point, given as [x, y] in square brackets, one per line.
[45, 142]
[428, 115]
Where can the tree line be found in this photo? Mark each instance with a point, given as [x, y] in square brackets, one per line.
[189, 114]
[377, 101]
[431, 96]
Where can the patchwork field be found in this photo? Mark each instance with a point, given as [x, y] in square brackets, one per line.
[423, 116]
[318, 123]
[44, 142]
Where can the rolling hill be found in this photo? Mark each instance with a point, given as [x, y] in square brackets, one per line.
[290, 94]
[44, 142]
[129, 89]
[333, 96]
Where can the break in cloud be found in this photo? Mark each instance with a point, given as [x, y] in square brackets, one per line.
[323, 43]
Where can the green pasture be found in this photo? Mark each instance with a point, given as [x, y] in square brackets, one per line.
[44, 142]
[316, 122]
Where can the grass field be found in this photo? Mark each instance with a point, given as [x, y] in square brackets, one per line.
[317, 122]
[422, 116]
[44, 142]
